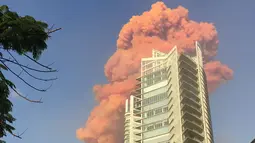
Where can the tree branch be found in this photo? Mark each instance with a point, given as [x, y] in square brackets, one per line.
[42, 90]
[27, 67]
[19, 135]
[50, 79]
[25, 97]
[54, 30]
[47, 67]
[50, 64]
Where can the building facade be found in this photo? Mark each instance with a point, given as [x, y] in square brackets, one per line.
[170, 103]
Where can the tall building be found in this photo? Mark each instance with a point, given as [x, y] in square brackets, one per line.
[170, 103]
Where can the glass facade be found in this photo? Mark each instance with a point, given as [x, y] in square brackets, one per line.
[170, 103]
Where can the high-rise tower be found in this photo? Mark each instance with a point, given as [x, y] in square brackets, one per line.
[170, 103]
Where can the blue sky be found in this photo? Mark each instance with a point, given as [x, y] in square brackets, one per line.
[88, 39]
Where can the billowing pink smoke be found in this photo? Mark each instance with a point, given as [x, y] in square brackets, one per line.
[160, 28]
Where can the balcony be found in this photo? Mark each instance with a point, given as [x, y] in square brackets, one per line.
[191, 117]
[138, 79]
[192, 110]
[137, 131]
[188, 72]
[137, 111]
[190, 101]
[193, 134]
[138, 141]
[137, 136]
[187, 63]
[185, 92]
[185, 85]
[126, 124]
[137, 121]
[137, 93]
[193, 125]
[126, 137]
[184, 64]
[138, 114]
[189, 80]
[138, 85]
[183, 57]
[190, 140]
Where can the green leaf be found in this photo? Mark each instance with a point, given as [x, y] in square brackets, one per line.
[1, 141]
[3, 67]
[9, 83]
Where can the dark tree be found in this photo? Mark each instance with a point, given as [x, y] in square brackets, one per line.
[25, 36]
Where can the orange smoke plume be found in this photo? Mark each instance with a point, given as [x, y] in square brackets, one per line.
[160, 28]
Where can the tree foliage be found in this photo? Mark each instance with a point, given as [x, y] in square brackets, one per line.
[23, 35]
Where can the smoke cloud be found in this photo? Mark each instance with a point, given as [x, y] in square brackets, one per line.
[160, 28]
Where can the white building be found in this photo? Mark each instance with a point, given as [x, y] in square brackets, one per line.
[170, 104]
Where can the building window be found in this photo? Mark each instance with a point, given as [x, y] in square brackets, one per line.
[150, 128]
[155, 98]
[158, 111]
[150, 113]
[154, 77]
[159, 125]
[154, 126]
